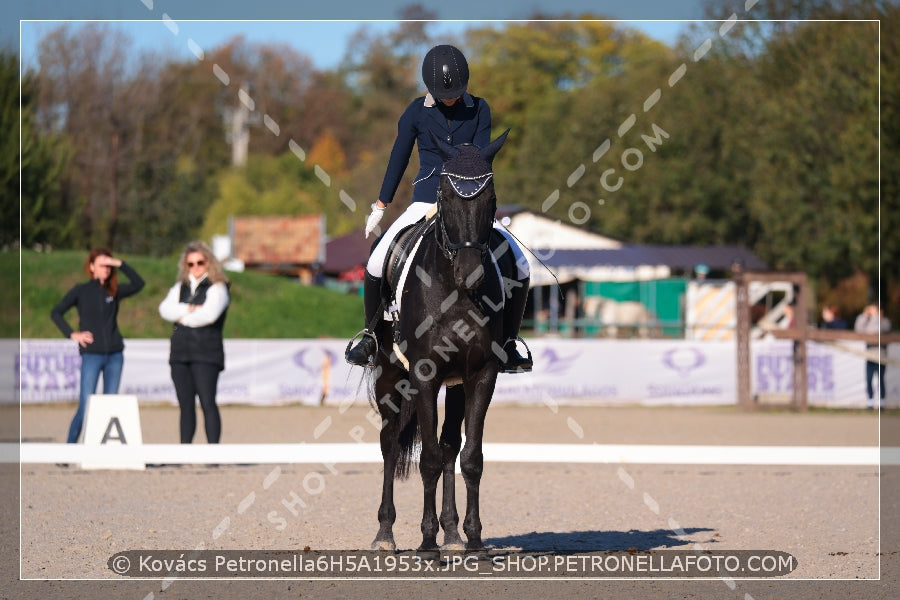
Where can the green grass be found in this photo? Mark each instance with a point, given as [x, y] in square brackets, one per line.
[262, 306]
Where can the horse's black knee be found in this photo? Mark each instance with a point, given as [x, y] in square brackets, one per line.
[471, 463]
[430, 463]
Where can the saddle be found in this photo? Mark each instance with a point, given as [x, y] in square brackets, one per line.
[403, 248]
[399, 252]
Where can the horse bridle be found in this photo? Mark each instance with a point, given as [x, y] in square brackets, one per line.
[466, 187]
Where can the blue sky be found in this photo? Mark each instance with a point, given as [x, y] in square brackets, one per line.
[193, 18]
[323, 41]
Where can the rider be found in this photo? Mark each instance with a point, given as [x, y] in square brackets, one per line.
[457, 117]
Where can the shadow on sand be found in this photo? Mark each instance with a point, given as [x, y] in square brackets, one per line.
[595, 541]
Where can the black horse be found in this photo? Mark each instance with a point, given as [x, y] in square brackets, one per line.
[447, 332]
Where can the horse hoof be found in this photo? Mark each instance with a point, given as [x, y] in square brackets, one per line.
[384, 546]
[428, 553]
[475, 548]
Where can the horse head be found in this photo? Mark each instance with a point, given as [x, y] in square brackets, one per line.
[466, 207]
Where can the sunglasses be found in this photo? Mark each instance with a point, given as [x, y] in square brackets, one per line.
[199, 263]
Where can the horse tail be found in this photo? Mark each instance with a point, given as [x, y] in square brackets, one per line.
[408, 439]
[368, 382]
[407, 425]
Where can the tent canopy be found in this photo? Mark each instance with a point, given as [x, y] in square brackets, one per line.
[635, 262]
[577, 253]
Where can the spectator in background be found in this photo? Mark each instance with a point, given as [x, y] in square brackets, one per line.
[701, 272]
[197, 305]
[787, 321]
[831, 318]
[873, 321]
[99, 341]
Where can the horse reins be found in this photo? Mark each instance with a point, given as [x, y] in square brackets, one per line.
[538, 258]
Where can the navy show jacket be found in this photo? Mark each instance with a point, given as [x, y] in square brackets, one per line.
[470, 123]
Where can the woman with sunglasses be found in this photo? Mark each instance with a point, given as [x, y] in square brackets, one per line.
[99, 341]
[197, 305]
[452, 114]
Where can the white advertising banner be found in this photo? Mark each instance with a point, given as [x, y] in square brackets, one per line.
[624, 372]
[600, 372]
[256, 371]
[832, 378]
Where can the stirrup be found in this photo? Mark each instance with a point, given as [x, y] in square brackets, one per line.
[506, 369]
[362, 334]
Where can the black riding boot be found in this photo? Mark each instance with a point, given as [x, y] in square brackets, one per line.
[512, 321]
[363, 354]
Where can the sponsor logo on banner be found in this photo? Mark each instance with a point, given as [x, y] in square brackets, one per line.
[314, 364]
[683, 360]
[554, 364]
[820, 374]
[48, 372]
[314, 360]
[558, 376]
[155, 390]
[775, 373]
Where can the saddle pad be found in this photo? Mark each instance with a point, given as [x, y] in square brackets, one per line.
[396, 299]
[394, 305]
[399, 249]
[396, 302]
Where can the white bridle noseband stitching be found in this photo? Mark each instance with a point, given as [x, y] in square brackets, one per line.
[468, 187]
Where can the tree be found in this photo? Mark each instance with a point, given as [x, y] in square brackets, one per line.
[182, 147]
[817, 192]
[9, 150]
[770, 140]
[890, 157]
[562, 88]
[31, 180]
[82, 95]
[383, 75]
[281, 185]
[328, 154]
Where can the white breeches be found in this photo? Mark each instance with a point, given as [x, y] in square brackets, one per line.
[413, 213]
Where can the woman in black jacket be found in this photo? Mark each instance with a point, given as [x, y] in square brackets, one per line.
[197, 305]
[99, 341]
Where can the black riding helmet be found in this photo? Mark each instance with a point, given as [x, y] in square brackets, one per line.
[445, 72]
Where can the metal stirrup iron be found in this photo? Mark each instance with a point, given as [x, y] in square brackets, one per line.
[528, 358]
[361, 334]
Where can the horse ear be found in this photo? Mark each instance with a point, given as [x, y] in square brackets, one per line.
[446, 150]
[488, 152]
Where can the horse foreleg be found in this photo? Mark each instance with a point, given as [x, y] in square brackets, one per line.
[387, 513]
[391, 455]
[472, 457]
[451, 439]
[430, 460]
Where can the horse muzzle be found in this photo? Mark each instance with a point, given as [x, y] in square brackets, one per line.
[468, 268]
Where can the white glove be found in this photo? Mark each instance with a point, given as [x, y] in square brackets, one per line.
[374, 219]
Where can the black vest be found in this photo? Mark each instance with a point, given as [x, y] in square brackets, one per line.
[198, 344]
